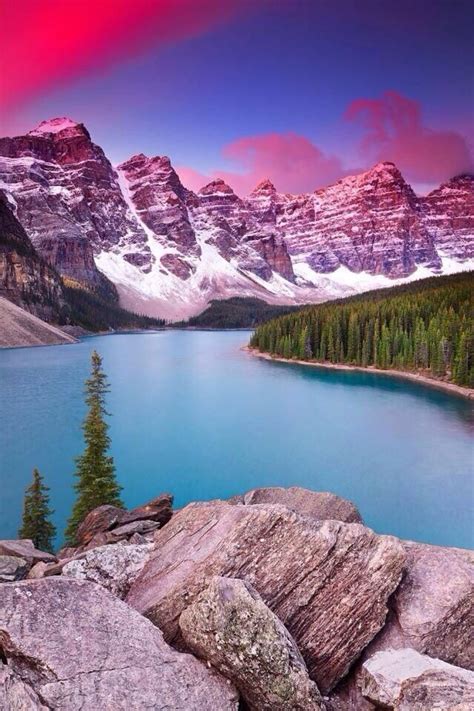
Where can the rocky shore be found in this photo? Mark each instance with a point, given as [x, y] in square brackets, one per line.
[451, 388]
[276, 600]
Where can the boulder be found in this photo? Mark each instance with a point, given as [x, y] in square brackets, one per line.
[158, 509]
[128, 529]
[24, 548]
[39, 570]
[433, 609]
[405, 680]
[98, 520]
[15, 694]
[12, 568]
[78, 646]
[115, 567]
[328, 581]
[99, 524]
[230, 626]
[320, 505]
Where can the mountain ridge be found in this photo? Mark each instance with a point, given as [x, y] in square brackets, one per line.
[169, 250]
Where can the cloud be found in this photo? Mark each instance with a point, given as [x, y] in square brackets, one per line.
[394, 130]
[45, 43]
[291, 161]
[192, 179]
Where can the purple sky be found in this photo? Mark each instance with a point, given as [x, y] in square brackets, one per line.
[301, 91]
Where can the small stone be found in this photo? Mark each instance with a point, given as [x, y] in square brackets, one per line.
[405, 680]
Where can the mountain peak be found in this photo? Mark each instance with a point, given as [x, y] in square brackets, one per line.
[385, 166]
[55, 125]
[216, 186]
[264, 187]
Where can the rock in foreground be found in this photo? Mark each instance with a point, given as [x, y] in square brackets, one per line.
[328, 582]
[115, 567]
[77, 647]
[106, 524]
[320, 505]
[230, 626]
[433, 609]
[17, 557]
[405, 680]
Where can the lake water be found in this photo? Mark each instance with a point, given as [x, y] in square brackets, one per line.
[194, 415]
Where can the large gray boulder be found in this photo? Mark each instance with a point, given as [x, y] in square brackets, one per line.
[405, 680]
[230, 626]
[115, 567]
[328, 582]
[78, 647]
[433, 608]
[320, 505]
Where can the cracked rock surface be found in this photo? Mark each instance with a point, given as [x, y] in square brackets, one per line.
[328, 582]
[72, 645]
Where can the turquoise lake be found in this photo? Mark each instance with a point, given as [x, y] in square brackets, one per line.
[195, 415]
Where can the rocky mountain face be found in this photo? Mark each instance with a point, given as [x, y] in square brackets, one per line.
[170, 250]
[66, 196]
[26, 279]
[277, 599]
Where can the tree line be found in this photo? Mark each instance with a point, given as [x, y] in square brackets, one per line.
[96, 483]
[424, 326]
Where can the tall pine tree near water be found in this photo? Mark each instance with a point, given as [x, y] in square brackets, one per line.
[36, 522]
[95, 470]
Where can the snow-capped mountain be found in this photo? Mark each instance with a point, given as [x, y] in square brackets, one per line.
[170, 250]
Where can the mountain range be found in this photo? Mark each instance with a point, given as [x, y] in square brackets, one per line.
[135, 229]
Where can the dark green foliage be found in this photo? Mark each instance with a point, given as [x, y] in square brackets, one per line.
[238, 312]
[93, 312]
[95, 470]
[36, 522]
[426, 325]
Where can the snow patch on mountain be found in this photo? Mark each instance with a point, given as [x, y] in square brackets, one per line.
[54, 125]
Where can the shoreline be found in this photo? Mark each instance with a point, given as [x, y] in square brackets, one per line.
[451, 388]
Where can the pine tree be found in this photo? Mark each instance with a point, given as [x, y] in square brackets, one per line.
[36, 522]
[95, 470]
[461, 364]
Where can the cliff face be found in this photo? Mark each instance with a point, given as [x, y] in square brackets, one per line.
[448, 214]
[67, 197]
[370, 222]
[25, 278]
[170, 250]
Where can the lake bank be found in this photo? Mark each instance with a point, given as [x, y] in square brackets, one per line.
[451, 388]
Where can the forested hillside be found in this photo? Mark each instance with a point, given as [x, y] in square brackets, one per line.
[423, 326]
[90, 310]
[236, 312]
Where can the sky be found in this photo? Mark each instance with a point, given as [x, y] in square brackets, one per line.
[299, 91]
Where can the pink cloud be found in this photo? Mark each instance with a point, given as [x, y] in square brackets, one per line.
[292, 162]
[394, 130]
[192, 179]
